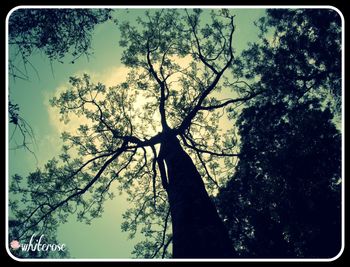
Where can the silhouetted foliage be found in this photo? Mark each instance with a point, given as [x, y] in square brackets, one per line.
[157, 138]
[299, 55]
[22, 126]
[284, 199]
[56, 33]
[138, 148]
[23, 193]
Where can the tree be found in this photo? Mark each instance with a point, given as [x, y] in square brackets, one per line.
[284, 198]
[299, 56]
[53, 32]
[117, 144]
[165, 151]
[56, 33]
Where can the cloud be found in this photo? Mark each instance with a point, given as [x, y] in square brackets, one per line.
[108, 77]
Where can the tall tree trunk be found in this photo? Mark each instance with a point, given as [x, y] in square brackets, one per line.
[198, 231]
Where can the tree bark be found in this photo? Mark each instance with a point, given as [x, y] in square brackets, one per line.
[198, 231]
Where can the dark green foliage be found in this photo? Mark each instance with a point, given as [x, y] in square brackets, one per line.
[13, 113]
[284, 199]
[21, 125]
[55, 32]
[299, 55]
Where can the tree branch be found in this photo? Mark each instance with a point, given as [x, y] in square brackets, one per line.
[200, 54]
[162, 171]
[188, 119]
[154, 176]
[163, 235]
[231, 101]
[206, 169]
[166, 246]
[193, 146]
[80, 192]
[162, 89]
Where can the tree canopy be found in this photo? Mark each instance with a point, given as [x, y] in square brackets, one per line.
[59, 34]
[284, 198]
[299, 55]
[53, 32]
[159, 135]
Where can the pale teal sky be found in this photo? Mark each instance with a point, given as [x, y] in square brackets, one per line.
[103, 238]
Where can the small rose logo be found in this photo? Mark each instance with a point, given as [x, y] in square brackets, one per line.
[15, 244]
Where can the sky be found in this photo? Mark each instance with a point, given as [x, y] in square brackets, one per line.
[103, 238]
